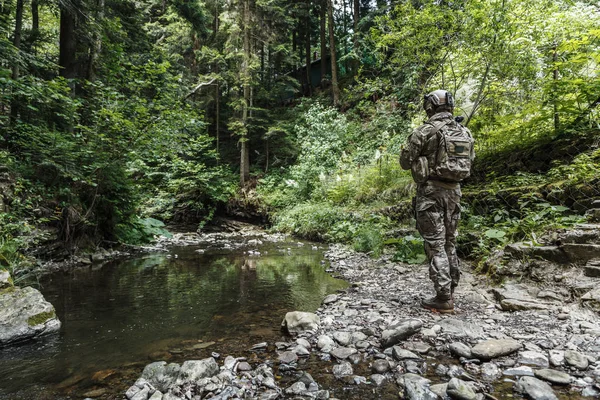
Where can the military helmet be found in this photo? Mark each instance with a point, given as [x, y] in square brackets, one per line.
[438, 98]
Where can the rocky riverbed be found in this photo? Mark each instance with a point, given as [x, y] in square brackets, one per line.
[531, 339]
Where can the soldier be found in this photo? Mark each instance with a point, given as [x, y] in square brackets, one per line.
[439, 154]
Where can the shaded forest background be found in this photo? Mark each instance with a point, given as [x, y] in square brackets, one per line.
[119, 115]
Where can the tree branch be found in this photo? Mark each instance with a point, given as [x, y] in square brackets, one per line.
[199, 86]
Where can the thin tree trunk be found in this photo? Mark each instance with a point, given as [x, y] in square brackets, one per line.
[356, 63]
[96, 46]
[554, 100]
[67, 44]
[245, 151]
[307, 48]
[17, 37]
[322, 18]
[334, 78]
[35, 21]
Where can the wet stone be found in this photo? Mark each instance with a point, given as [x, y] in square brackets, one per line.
[418, 347]
[342, 369]
[519, 371]
[342, 353]
[400, 331]
[288, 357]
[459, 349]
[553, 376]
[325, 343]
[380, 366]
[343, 338]
[535, 388]
[416, 387]
[402, 354]
[490, 372]
[378, 379]
[439, 389]
[459, 390]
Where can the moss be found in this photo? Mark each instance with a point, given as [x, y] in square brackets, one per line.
[7, 290]
[40, 318]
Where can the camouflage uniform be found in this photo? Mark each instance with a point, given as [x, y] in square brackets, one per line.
[437, 209]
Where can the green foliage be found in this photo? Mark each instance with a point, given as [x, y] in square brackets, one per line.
[141, 231]
[409, 249]
[369, 239]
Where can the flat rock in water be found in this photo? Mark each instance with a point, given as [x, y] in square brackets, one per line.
[416, 387]
[288, 357]
[402, 354]
[459, 390]
[460, 349]
[494, 348]
[535, 388]
[400, 331]
[460, 328]
[576, 360]
[342, 369]
[341, 353]
[24, 315]
[299, 321]
[194, 370]
[553, 376]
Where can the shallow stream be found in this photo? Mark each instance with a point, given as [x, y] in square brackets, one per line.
[172, 305]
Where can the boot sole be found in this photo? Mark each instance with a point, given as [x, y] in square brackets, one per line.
[439, 310]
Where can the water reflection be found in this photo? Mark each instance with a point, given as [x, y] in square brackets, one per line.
[125, 311]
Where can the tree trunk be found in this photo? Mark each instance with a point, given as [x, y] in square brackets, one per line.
[307, 49]
[356, 63]
[17, 37]
[245, 151]
[67, 43]
[334, 78]
[96, 46]
[35, 21]
[322, 18]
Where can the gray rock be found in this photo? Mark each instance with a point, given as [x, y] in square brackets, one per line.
[299, 321]
[301, 351]
[160, 375]
[378, 379]
[380, 366]
[194, 370]
[332, 298]
[400, 331]
[416, 387]
[494, 348]
[522, 250]
[303, 342]
[590, 391]
[535, 388]
[581, 253]
[244, 366]
[24, 315]
[439, 389]
[591, 299]
[156, 396]
[325, 343]
[576, 360]
[459, 390]
[341, 353]
[358, 337]
[288, 357]
[418, 347]
[343, 338]
[556, 357]
[553, 376]
[519, 371]
[402, 354]
[459, 349]
[5, 281]
[297, 388]
[459, 328]
[143, 394]
[533, 358]
[306, 378]
[132, 391]
[490, 372]
[342, 369]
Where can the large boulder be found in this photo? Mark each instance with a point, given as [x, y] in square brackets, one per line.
[24, 315]
[299, 321]
[161, 375]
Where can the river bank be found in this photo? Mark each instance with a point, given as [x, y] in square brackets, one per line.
[373, 340]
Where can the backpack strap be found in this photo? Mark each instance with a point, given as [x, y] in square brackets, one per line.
[436, 130]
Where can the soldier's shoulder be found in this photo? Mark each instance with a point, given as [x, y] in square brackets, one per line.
[424, 129]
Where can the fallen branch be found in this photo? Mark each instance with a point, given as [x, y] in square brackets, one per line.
[199, 86]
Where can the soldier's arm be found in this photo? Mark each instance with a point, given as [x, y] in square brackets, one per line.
[413, 149]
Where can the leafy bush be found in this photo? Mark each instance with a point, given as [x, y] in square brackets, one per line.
[409, 249]
[368, 239]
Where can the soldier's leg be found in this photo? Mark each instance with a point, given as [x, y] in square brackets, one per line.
[451, 218]
[430, 223]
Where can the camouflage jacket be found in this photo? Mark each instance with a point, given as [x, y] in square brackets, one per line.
[424, 142]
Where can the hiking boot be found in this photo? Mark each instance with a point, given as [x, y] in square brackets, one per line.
[437, 304]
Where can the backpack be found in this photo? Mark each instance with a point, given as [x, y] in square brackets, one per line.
[453, 156]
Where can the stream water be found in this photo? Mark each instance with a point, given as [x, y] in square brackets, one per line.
[124, 314]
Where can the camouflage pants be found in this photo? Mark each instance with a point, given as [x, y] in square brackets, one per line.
[437, 213]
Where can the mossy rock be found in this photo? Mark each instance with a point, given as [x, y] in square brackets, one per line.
[40, 318]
